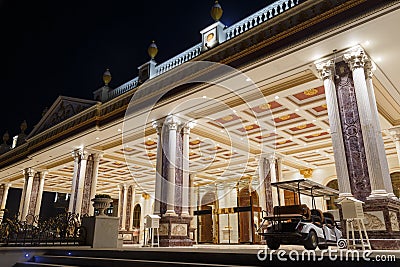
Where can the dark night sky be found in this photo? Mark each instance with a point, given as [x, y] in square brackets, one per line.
[62, 47]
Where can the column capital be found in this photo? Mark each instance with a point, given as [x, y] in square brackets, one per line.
[172, 122]
[28, 172]
[43, 173]
[80, 153]
[356, 58]
[326, 69]
[369, 68]
[395, 133]
[157, 125]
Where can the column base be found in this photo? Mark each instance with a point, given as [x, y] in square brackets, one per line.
[174, 231]
[382, 221]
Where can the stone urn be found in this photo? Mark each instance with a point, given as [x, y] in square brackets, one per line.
[101, 203]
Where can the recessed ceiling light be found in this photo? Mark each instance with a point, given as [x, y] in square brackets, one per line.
[97, 138]
[204, 96]
[367, 43]
[276, 97]
[296, 110]
[248, 80]
[119, 130]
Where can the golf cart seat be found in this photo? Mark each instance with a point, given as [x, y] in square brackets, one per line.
[329, 218]
[301, 211]
[317, 217]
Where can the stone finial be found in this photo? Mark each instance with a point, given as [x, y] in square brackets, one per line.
[152, 50]
[216, 11]
[23, 127]
[107, 77]
[6, 137]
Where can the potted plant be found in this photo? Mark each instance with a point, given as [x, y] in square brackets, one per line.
[102, 202]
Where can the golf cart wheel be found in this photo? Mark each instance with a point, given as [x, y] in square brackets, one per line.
[311, 242]
[273, 244]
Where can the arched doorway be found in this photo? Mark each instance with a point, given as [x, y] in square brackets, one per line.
[207, 221]
[249, 215]
[330, 203]
[395, 177]
[136, 223]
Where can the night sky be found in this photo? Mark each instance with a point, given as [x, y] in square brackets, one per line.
[58, 47]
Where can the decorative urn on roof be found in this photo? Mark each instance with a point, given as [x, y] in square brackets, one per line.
[216, 11]
[107, 77]
[152, 50]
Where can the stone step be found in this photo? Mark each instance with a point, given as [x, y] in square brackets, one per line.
[47, 260]
[40, 264]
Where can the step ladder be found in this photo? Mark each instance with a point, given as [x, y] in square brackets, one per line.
[350, 229]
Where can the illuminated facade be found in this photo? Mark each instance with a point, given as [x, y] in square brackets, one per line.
[329, 111]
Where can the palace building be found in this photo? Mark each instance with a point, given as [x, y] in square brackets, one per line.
[299, 89]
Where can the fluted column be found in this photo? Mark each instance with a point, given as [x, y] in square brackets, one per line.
[369, 69]
[75, 177]
[40, 192]
[262, 176]
[356, 60]
[172, 124]
[26, 195]
[185, 182]
[124, 207]
[326, 71]
[81, 181]
[132, 208]
[96, 163]
[3, 203]
[158, 183]
[120, 204]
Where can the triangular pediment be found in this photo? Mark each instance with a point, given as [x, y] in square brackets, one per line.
[63, 108]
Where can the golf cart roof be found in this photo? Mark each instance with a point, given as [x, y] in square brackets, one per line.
[306, 187]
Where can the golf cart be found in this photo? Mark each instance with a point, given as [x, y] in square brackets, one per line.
[298, 224]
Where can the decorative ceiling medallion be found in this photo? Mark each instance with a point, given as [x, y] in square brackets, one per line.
[227, 118]
[264, 106]
[249, 127]
[311, 92]
[195, 142]
[316, 134]
[307, 173]
[192, 154]
[150, 155]
[301, 127]
[282, 142]
[150, 143]
[284, 118]
[325, 106]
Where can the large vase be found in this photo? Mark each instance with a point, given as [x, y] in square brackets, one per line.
[101, 204]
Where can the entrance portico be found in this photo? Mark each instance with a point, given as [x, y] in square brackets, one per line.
[215, 176]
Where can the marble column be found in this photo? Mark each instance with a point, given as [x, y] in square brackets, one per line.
[356, 60]
[95, 175]
[186, 173]
[124, 207]
[158, 182]
[26, 193]
[3, 202]
[40, 192]
[172, 122]
[327, 72]
[81, 182]
[132, 205]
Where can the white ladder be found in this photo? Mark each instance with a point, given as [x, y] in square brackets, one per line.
[364, 240]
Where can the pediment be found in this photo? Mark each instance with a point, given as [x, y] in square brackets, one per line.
[62, 109]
